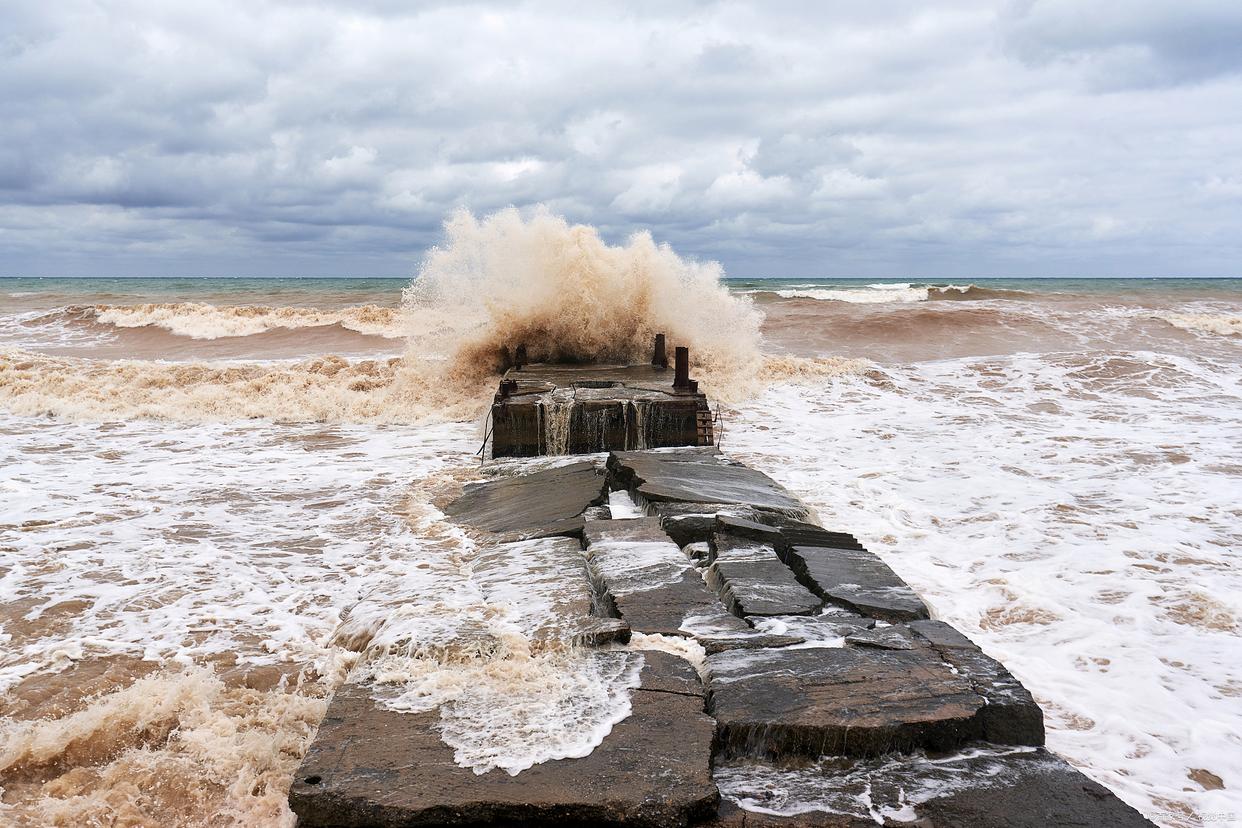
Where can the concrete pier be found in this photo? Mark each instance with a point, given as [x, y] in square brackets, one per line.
[564, 409]
[822, 675]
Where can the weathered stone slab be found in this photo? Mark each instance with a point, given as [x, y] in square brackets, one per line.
[637, 529]
[857, 579]
[668, 673]
[528, 504]
[849, 701]
[752, 580]
[650, 581]
[700, 476]
[546, 586]
[688, 523]
[985, 788]
[741, 527]
[801, 533]
[892, 637]
[1011, 716]
[373, 767]
[746, 640]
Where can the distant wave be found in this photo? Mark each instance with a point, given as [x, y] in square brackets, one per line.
[198, 320]
[325, 389]
[901, 293]
[1223, 324]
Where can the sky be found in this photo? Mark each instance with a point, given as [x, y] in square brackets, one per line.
[882, 139]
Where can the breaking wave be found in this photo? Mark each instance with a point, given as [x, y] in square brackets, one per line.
[811, 369]
[894, 293]
[198, 320]
[507, 279]
[324, 389]
[1223, 324]
[167, 749]
[560, 290]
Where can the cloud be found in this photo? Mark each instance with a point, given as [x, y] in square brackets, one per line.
[968, 138]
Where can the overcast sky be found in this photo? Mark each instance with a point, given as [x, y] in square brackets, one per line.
[1030, 138]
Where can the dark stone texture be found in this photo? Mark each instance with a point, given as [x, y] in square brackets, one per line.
[857, 579]
[732, 816]
[742, 528]
[700, 476]
[650, 582]
[529, 504]
[885, 638]
[988, 788]
[1011, 717]
[1044, 791]
[800, 533]
[752, 580]
[746, 641]
[666, 673]
[850, 701]
[941, 635]
[638, 530]
[373, 767]
[690, 523]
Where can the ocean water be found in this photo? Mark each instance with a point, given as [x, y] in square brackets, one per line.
[219, 494]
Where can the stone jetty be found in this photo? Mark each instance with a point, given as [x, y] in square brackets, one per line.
[822, 693]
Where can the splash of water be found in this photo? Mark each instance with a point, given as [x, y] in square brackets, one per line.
[506, 279]
[532, 278]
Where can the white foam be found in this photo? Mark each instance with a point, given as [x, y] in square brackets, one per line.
[1211, 323]
[183, 542]
[519, 710]
[871, 295]
[637, 566]
[1075, 514]
[622, 506]
[826, 787]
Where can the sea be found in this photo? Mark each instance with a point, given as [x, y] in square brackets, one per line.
[216, 492]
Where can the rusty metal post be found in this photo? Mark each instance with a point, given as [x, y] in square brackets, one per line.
[681, 367]
[660, 358]
[519, 358]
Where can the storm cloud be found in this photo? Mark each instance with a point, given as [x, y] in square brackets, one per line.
[956, 139]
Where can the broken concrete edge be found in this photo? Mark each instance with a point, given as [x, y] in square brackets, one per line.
[931, 690]
[887, 598]
[1011, 716]
[859, 702]
[989, 787]
[370, 766]
[548, 501]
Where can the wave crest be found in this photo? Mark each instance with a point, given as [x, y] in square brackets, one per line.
[1223, 324]
[324, 389]
[559, 289]
[904, 293]
[198, 320]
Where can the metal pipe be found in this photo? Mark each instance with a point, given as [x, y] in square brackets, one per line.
[660, 358]
[681, 369]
